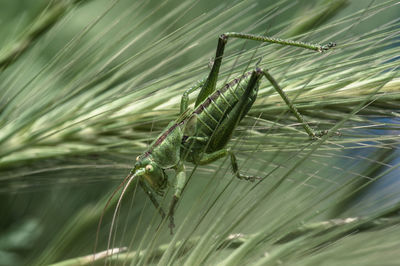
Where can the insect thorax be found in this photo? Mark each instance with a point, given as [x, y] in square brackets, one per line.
[165, 150]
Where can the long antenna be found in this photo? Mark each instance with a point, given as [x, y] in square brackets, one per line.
[104, 210]
[130, 177]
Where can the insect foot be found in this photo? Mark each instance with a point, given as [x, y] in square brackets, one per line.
[327, 47]
[235, 169]
[250, 178]
[321, 133]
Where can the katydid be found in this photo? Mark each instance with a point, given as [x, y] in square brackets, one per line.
[200, 135]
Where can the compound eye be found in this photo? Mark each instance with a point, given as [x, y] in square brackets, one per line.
[137, 158]
[149, 168]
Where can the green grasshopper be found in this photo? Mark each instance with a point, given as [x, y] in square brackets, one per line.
[200, 135]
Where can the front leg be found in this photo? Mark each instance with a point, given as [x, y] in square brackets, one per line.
[152, 198]
[179, 185]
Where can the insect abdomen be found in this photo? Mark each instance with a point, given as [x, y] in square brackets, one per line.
[218, 105]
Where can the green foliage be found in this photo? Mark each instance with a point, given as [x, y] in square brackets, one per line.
[87, 85]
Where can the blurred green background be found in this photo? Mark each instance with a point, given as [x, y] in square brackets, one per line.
[85, 86]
